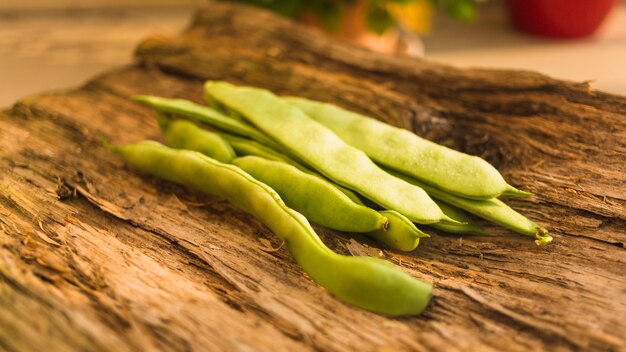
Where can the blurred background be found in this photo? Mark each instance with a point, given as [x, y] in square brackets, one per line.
[55, 44]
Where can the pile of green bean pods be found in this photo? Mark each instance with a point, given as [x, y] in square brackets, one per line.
[290, 160]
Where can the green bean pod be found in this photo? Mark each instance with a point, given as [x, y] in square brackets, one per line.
[184, 134]
[224, 110]
[465, 227]
[321, 149]
[321, 203]
[493, 210]
[400, 233]
[366, 282]
[191, 110]
[312, 196]
[243, 147]
[399, 149]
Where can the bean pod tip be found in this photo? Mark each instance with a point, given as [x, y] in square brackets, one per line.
[512, 191]
[543, 238]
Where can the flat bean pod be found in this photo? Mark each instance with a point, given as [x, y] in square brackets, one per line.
[367, 282]
[450, 170]
[224, 109]
[243, 147]
[183, 134]
[466, 226]
[191, 110]
[493, 210]
[321, 203]
[400, 234]
[312, 196]
[321, 149]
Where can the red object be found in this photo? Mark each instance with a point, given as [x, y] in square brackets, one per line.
[559, 18]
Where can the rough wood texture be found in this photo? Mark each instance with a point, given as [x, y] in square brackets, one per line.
[94, 256]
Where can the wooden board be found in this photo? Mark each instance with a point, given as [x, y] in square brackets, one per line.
[94, 256]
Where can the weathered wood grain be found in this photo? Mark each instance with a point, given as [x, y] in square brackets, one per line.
[94, 256]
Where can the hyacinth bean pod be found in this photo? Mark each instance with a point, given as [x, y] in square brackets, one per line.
[183, 134]
[321, 149]
[466, 226]
[399, 149]
[205, 114]
[493, 210]
[400, 233]
[367, 282]
[244, 147]
[312, 196]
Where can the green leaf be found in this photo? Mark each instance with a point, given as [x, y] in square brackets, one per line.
[378, 18]
[462, 10]
[328, 12]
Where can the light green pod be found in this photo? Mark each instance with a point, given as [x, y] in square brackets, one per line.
[226, 111]
[400, 233]
[321, 203]
[493, 210]
[366, 282]
[466, 226]
[191, 110]
[312, 196]
[245, 147]
[223, 109]
[321, 149]
[184, 134]
[450, 170]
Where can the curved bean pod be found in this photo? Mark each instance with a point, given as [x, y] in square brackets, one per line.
[493, 210]
[400, 234]
[466, 226]
[318, 200]
[191, 110]
[312, 196]
[321, 149]
[397, 148]
[366, 282]
[184, 134]
[224, 110]
[245, 147]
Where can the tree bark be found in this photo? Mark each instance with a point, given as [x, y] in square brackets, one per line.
[95, 256]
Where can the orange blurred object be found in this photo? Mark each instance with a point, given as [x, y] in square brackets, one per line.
[353, 28]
